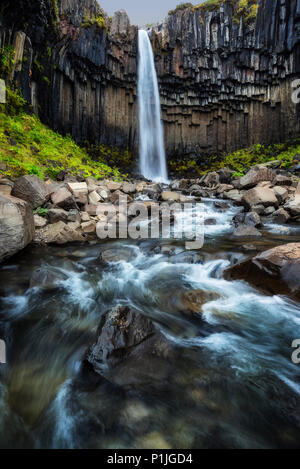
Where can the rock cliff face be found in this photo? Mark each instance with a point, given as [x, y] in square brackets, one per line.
[224, 83]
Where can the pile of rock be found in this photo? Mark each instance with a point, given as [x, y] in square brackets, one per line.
[262, 192]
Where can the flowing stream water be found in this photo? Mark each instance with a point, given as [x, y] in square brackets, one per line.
[152, 152]
[232, 385]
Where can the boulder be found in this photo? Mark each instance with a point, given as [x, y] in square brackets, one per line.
[113, 186]
[281, 216]
[39, 222]
[234, 195]
[169, 196]
[78, 188]
[94, 198]
[6, 186]
[129, 349]
[63, 198]
[276, 271]
[252, 219]
[281, 193]
[128, 188]
[32, 189]
[211, 179]
[293, 205]
[256, 175]
[281, 180]
[260, 196]
[57, 214]
[246, 231]
[16, 225]
[117, 255]
[60, 233]
[225, 175]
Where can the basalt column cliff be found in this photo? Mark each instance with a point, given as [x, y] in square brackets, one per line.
[225, 76]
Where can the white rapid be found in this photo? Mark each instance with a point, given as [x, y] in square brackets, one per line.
[152, 152]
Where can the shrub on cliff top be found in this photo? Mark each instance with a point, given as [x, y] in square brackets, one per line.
[181, 6]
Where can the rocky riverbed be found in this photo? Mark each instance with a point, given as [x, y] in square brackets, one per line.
[143, 343]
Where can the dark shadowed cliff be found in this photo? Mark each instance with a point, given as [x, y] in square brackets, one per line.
[225, 80]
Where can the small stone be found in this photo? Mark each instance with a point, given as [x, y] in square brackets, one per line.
[39, 222]
[94, 198]
[88, 227]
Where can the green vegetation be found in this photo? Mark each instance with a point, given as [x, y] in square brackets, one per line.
[181, 6]
[240, 161]
[42, 212]
[99, 21]
[29, 147]
[242, 8]
[7, 55]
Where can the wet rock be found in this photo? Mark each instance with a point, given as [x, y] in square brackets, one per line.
[276, 271]
[46, 278]
[193, 301]
[16, 225]
[269, 211]
[210, 222]
[64, 199]
[32, 189]
[252, 219]
[117, 255]
[259, 209]
[260, 196]
[129, 350]
[246, 231]
[256, 175]
[222, 205]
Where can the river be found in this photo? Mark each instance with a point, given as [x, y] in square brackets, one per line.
[233, 386]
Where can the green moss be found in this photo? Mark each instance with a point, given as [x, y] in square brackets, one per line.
[29, 147]
[240, 161]
[99, 21]
[7, 55]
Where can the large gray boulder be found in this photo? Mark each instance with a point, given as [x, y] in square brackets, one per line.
[32, 189]
[16, 225]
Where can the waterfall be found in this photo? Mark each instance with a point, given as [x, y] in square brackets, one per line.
[152, 152]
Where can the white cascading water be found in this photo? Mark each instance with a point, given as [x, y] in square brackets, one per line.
[152, 152]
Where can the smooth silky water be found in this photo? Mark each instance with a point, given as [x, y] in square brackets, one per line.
[153, 164]
[233, 384]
